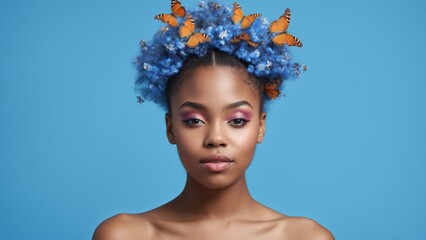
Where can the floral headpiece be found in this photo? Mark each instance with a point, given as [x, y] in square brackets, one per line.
[212, 25]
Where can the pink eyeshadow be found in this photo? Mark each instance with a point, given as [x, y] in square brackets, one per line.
[240, 113]
[189, 115]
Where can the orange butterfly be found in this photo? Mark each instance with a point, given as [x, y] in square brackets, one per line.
[271, 89]
[187, 31]
[281, 26]
[171, 19]
[177, 9]
[244, 37]
[238, 16]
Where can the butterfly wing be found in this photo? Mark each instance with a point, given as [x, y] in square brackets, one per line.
[246, 37]
[288, 39]
[272, 92]
[253, 44]
[196, 39]
[271, 89]
[238, 38]
[235, 39]
[293, 41]
[202, 37]
[237, 14]
[177, 9]
[187, 28]
[167, 18]
[280, 39]
[281, 25]
[248, 20]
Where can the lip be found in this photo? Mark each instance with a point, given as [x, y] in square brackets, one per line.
[216, 163]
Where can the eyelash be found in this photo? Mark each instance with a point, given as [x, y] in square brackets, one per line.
[242, 121]
[190, 122]
[237, 122]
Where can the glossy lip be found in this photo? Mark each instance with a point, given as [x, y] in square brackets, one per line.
[216, 163]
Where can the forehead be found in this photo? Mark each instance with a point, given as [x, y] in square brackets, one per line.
[215, 87]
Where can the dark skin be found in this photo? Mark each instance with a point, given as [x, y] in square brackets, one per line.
[213, 113]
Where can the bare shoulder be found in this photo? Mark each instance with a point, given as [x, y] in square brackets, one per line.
[304, 228]
[296, 228]
[123, 227]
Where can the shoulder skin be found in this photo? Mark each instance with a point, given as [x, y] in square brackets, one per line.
[122, 227]
[306, 229]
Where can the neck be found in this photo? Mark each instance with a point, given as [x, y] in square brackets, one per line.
[197, 201]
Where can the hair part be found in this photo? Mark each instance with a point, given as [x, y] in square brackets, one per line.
[213, 58]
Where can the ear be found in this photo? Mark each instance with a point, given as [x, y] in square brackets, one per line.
[169, 128]
[262, 127]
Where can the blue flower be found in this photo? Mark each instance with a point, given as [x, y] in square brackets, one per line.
[147, 66]
[165, 54]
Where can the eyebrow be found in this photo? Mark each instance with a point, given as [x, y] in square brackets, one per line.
[237, 104]
[230, 106]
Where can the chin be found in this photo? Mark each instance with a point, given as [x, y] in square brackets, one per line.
[217, 181]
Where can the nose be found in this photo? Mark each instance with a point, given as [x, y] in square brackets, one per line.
[215, 136]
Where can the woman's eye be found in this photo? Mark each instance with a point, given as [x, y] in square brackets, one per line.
[193, 121]
[239, 122]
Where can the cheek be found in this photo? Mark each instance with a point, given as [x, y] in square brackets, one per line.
[188, 141]
[245, 140]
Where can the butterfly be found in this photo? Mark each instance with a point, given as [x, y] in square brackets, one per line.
[238, 16]
[187, 31]
[280, 26]
[244, 37]
[171, 19]
[271, 89]
[140, 100]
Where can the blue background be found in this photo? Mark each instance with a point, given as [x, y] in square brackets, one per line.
[346, 146]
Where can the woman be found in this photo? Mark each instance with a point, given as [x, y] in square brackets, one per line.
[215, 116]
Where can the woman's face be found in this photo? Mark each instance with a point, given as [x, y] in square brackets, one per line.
[215, 123]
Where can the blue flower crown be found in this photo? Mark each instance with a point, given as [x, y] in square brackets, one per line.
[262, 46]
